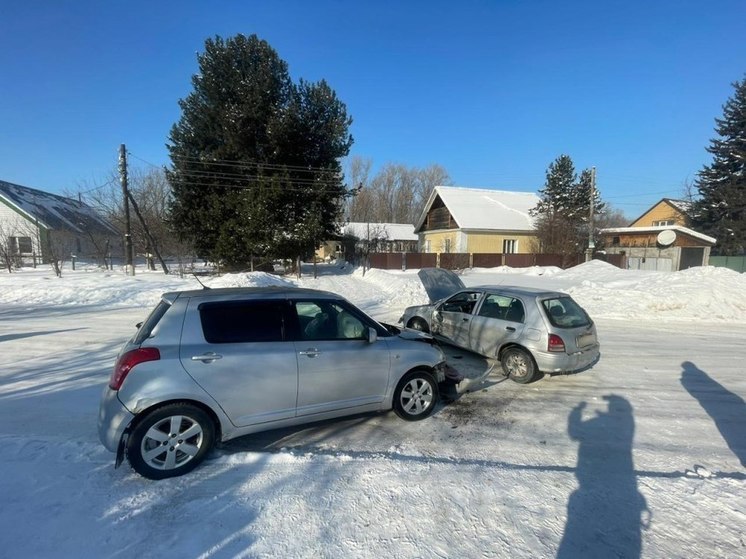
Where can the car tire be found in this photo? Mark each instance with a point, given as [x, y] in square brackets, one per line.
[518, 365]
[415, 396]
[418, 324]
[170, 441]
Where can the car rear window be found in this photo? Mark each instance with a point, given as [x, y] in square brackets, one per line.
[564, 312]
[232, 322]
[146, 328]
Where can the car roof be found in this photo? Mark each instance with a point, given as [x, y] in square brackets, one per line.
[521, 291]
[254, 292]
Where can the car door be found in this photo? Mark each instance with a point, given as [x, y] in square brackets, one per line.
[499, 319]
[337, 366]
[452, 318]
[235, 350]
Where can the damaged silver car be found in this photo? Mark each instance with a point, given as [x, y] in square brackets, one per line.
[530, 331]
[214, 364]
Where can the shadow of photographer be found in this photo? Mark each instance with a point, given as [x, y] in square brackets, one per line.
[605, 513]
[727, 410]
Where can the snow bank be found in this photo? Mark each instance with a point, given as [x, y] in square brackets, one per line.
[703, 293]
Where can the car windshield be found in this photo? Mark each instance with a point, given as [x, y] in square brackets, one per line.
[564, 312]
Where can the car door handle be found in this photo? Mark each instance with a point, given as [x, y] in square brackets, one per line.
[510, 329]
[465, 319]
[207, 357]
[311, 352]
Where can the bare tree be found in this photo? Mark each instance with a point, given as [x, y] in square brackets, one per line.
[152, 194]
[396, 194]
[360, 205]
[7, 252]
[60, 246]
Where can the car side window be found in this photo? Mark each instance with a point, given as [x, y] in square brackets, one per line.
[463, 302]
[502, 308]
[516, 312]
[494, 306]
[231, 322]
[327, 320]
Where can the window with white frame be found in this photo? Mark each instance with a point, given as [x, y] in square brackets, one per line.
[664, 223]
[510, 246]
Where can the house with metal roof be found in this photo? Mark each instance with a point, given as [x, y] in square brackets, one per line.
[660, 239]
[477, 221]
[36, 226]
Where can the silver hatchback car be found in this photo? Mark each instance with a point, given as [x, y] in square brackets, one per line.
[530, 331]
[215, 364]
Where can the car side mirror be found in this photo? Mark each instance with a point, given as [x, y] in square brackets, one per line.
[372, 335]
[138, 325]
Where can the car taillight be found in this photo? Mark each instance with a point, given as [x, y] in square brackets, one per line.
[129, 360]
[555, 343]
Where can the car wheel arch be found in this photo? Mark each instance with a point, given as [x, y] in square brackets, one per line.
[418, 320]
[434, 390]
[504, 348]
[144, 412]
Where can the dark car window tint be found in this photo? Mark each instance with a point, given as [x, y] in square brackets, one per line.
[146, 328]
[564, 312]
[242, 322]
[515, 311]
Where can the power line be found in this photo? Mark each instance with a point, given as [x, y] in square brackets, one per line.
[107, 183]
[249, 164]
[285, 186]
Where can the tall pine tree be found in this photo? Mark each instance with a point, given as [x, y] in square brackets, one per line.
[255, 157]
[563, 212]
[720, 210]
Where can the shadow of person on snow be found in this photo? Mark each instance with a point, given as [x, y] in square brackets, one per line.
[727, 410]
[604, 513]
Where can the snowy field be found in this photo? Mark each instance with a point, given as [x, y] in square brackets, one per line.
[642, 456]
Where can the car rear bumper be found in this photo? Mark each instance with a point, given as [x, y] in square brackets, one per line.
[113, 419]
[567, 362]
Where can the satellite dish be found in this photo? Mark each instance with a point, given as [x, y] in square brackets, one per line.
[666, 238]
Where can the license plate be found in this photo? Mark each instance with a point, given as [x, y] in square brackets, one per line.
[585, 340]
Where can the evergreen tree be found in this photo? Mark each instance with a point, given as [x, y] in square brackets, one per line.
[720, 210]
[563, 212]
[255, 157]
[557, 196]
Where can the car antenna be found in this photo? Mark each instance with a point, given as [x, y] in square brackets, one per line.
[198, 281]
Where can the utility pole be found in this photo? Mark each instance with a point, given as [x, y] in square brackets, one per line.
[129, 267]
[591, 243]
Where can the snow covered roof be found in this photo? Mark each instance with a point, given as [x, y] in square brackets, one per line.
[388, 231]
[484, 209]
[54, 212]
[658, 229]
[684, 206]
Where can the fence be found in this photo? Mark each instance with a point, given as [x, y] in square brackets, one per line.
[737, 263]
[460, 261]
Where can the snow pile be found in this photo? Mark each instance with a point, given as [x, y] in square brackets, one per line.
[251, 279]
[605, 291]
[703, 293]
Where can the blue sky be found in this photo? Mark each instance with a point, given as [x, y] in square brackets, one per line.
[492, 90]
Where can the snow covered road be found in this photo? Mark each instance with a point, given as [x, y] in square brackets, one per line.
[642, 456]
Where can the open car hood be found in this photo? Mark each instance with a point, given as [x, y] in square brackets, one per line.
[439, 283]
